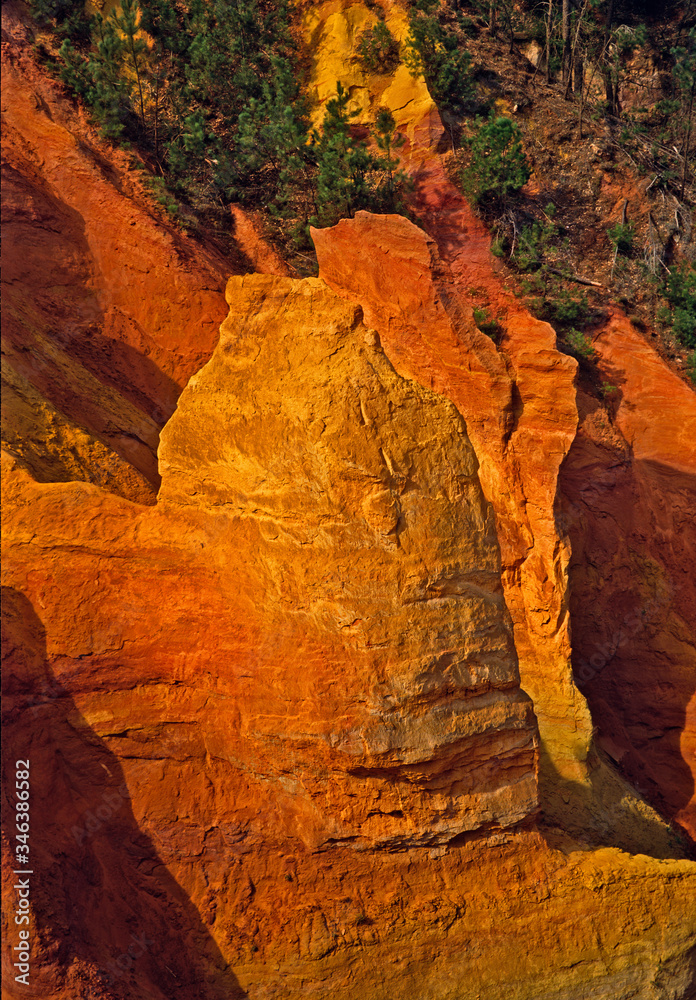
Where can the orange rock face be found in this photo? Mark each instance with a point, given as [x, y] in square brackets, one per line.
[415, 301]
[295, 674]
[107, 311]
[372, 552]
[630, 502]
[290, 727]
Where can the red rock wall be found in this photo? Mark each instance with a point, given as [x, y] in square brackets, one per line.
[629, 499]
[107, 310]
[279, 746]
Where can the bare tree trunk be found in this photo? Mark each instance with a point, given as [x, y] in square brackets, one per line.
[549, 22]
[492, 25]
[610, 84]
[608, 23]
[565, 31]
[576, 79]
[687, 139]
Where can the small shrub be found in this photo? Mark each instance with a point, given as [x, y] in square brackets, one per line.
[680, 292]
[568, 309]
[691, 366]
[581, 345]
[433, 50]
[378, 50]
[498, 166]
[622, 235]
[532, 243]
[491, 327]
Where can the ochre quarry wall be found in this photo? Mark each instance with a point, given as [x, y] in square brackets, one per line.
[107, 309]
[629, 497]
[520, 406]
[292, 727]
[278, 743]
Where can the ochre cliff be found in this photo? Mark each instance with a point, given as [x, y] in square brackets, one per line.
[629, 496]
[107, 309]
[296, 674]
[520, 407]
[315, 722]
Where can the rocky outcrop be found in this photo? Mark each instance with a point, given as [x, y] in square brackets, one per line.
[428, 332]
[290, 727]
[107, 309]
[296, 675]
[519, 402]
[321, 503]
[629, 491]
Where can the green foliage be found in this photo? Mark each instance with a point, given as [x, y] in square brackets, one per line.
[685, 63]
[66, 17]
[162, 196]
[127, 22]
[680, 292]
[387, 196]
[378, 50]
[566, 308]
[622, 235]
[491, 327]
[343, 163]
[691, 366]
[104, 87]
[498, 167]
[581, 346]
[215, 100]
[552, 302]
[349, 176]
[434, 50]
[533, 242]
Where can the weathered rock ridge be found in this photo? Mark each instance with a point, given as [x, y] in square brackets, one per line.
[523, 419]
[291, 727]
[301, 650]
[107, 310]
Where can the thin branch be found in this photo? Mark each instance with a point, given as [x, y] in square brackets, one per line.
[576, 278]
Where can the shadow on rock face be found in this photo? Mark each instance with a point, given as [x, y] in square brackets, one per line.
[632, 607]
[107, 918]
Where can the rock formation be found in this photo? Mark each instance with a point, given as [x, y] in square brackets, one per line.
[107, 310]
[309, 724]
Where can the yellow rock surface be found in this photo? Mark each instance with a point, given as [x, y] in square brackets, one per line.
[332, 31]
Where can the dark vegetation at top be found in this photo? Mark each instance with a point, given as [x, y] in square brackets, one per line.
[213, 100]
[563, 69]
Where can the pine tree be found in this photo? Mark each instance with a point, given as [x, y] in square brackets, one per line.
[127, 20]
[685, 77]
[435, 52]
[106, 91]
[388, 140]
[343, 163]
[498, 166]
